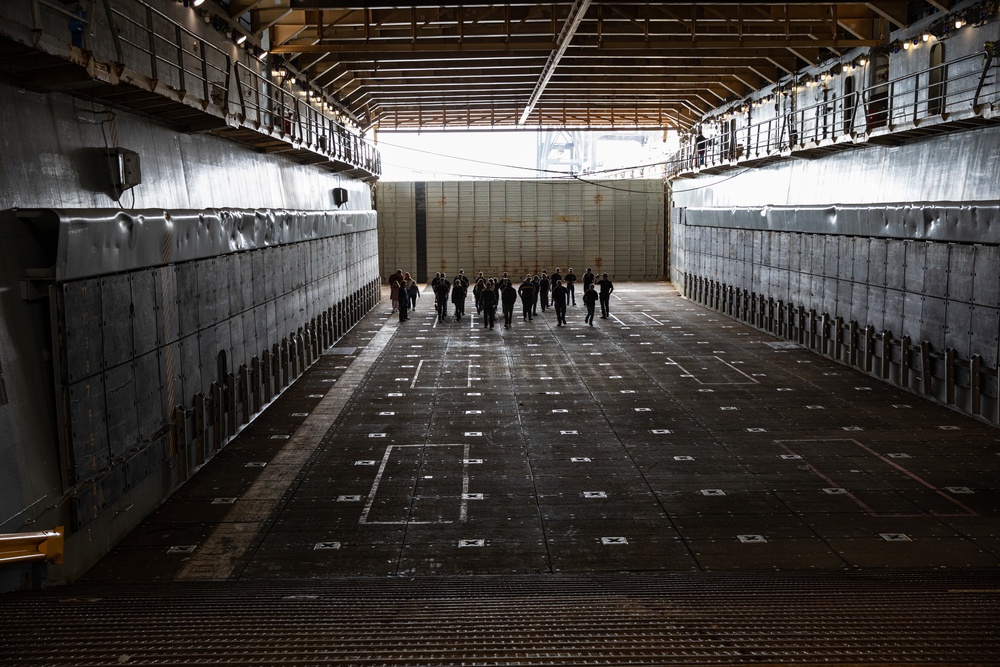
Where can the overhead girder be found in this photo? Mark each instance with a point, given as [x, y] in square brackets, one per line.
[445, 54]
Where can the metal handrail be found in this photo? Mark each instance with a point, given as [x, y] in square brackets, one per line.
[930, 94]
[270, 105]
[154, 44]
[44, 546]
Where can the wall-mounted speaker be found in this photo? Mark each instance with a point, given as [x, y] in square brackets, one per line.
[339, 196]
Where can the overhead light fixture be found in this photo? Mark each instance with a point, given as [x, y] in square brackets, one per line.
[197, 3]
[959, 23]
[242, 38]
[927, 36]
[862, 61]
[906, 46]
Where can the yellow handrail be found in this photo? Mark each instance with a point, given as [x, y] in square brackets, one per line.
[46, 545]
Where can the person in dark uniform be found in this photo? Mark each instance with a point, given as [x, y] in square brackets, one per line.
[588, 279]
[414, 293]
[477, 293]
[607, 287]
[559, 296]
[458, 292]
[555, 277]
[508, 297]
[543, 290]
[526, 291]
[441, 292]
[590, 301]
[570, 279]
[403, 302]
[488, 302]
[535, 281]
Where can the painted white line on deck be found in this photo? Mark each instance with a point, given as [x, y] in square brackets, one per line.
[231, 540]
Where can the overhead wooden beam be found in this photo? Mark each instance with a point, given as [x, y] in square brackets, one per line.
[576, 14]
[895, 12]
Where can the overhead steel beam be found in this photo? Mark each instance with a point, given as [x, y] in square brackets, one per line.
[573, 21]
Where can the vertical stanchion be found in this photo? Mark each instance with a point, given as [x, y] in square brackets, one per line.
[925, 366]
[949, 375]
[886, 353]
[975, 396]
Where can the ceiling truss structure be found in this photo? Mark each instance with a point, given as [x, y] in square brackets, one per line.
[424, 65]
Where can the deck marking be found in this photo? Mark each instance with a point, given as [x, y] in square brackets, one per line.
[232, 539]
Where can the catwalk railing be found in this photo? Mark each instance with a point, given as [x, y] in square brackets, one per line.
[943, 96]
[189, 65]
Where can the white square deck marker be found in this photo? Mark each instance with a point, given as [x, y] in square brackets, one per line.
[364, 463]
[895, 537]
[595, 494]
[472, 496]
[348, 499]
[376, 435]
[321, 546]
[614, 540]
[643, 409]
[751, 539]
[580, 459]
[473, 434]
[683, 458]
[280, 437]
[713, 492]
[386, 414]
[472, 543]
[255, 464]
[568, 433]
[182, 549]
[223, 501]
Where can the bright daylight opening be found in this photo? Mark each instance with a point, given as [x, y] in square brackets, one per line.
[523, 154]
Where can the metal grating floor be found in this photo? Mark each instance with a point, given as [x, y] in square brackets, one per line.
[667, 487]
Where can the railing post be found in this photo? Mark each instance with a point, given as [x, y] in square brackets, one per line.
[151, 41]
[181, 70]
[207, 91]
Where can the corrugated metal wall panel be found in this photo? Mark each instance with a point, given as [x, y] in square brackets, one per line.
[527, 226]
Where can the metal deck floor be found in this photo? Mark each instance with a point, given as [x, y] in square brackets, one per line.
[667, 437]
[667, 487]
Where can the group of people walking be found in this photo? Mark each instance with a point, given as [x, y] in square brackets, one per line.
[536, 290]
